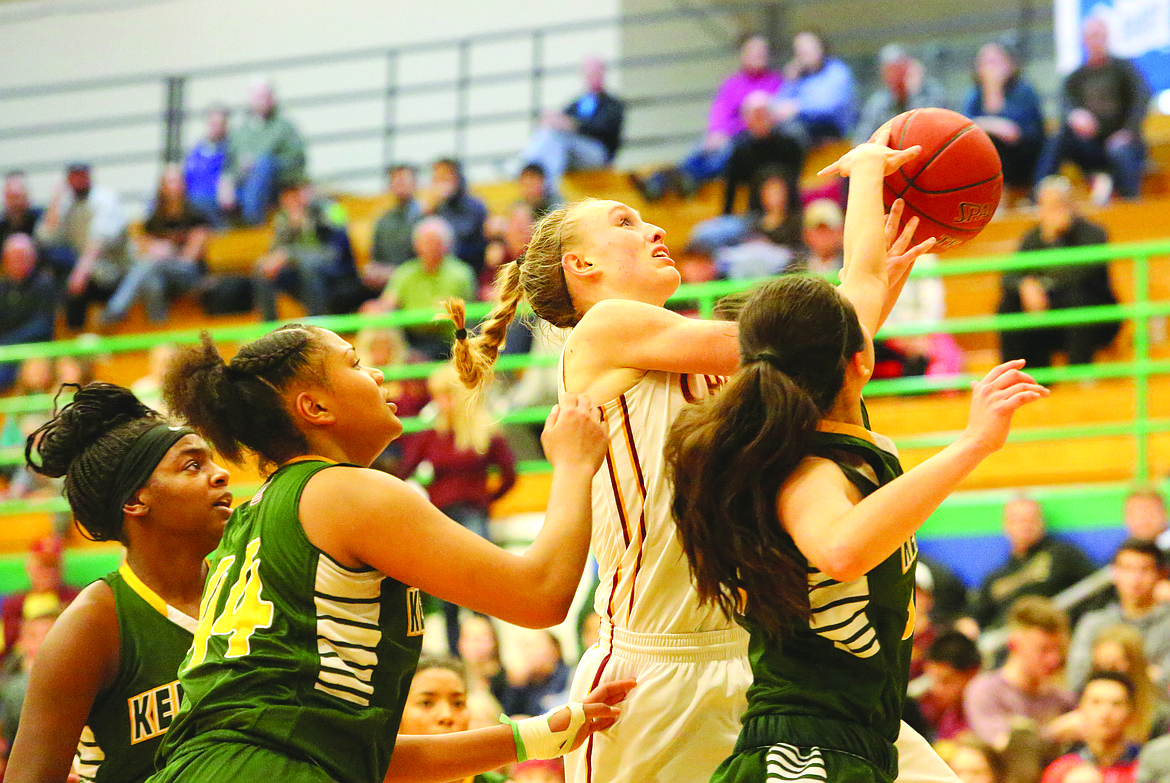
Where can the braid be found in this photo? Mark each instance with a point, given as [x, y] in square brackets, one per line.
[271, 353]
[474, 357]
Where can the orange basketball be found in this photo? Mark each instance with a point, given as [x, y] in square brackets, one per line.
[954, 185]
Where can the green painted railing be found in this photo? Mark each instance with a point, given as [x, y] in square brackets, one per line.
[703, 298]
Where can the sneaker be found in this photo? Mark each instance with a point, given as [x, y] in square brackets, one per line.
[649, 188]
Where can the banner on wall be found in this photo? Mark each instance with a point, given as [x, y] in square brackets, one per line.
[1139, 30]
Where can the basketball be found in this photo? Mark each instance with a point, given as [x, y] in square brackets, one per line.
[954, 184]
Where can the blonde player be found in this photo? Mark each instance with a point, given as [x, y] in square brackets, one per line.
[596, 267]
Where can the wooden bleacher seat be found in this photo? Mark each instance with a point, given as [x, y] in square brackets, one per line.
[236, 250]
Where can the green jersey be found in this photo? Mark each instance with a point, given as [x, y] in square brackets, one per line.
[295, 652]
[844, 672]
[128, 719]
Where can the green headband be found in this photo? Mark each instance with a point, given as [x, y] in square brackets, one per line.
[140, 461]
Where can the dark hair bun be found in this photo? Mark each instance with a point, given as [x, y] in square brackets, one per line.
[96, 409]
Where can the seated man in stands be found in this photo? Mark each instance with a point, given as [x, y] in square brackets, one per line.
[1107, 708]
[1145, 516]
[85, 239]
[536, 192]
[586, 134]
[464, 213]
[207, 186]
[1138, 566]
[265, 152]
[310, 257]
[1027, 686]
[817, 101]
[1038, 563]
[28, 300]
[1104, 103]
[762, 145]
[952, 661]
[1056, 287]
[392, 245]
[824, 239]
[905, 86]
[724, 123]
[19, 215]
[424, 283]
[169, 260]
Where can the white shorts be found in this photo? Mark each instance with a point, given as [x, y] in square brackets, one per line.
[682, 719]
[918, 762]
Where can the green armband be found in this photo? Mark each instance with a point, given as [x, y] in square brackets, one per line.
[521, 753]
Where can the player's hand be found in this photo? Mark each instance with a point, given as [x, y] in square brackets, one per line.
[875, 149]
[600, 712]
[994, 399]
[900, 257]
[573, 434]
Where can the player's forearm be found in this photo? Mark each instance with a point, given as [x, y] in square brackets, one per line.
[865, 242]
[445, 757]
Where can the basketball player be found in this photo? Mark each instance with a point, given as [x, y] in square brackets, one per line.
[107, 674]
[596, 267]
[311, 619]
[794, 518]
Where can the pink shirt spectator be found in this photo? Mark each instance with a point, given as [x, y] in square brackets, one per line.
[1124, 770]
[991, 702]
[948, 721]
[724, 117]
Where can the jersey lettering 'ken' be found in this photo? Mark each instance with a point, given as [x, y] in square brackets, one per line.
[151, 712]
[348, 630]
[838, 613]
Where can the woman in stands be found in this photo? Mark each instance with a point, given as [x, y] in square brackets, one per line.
[311, 620]
[107, 673]
[596, 267]
[796, 520]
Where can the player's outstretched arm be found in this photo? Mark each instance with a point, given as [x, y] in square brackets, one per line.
[365, 517]
[845, 536]
[77, 659]
[444, 757]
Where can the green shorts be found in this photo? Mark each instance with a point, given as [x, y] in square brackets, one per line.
[220, 761]
[782, 762]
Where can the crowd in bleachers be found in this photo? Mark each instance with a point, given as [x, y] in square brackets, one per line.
[1081, 690]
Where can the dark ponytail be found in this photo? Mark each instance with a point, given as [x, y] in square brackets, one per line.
[238, 405]
[728, 456]
[86, 442]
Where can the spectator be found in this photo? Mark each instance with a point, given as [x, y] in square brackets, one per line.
[310, 256]
[1104, 103]
[47, 590]
[426, 281]
[952, 661]
[12, 690]
[1054, 287]
[207, 186]
[1026, 685]
[1038, 563]
[824, 239]
[19, 215]
[507, 238]
[536, 192]
[170, 258]
[464, 213]
[1107, 709]
[922, 301]
[771, 236]
[948, 593]
[724, 122]
[265, 154]
[1138, 566]
[392, 245]
[905, 86]
[28, 300]
[462, 449]
[762, 145]
[1120, 648]
[585, 135]
[541, 678]
[437, 703]
[86, 241]
[817, 100]
[1145, 516]
[1005, 105]
[975, 761]
[479, 648]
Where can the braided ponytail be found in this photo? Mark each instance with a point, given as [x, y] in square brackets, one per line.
[238, 405]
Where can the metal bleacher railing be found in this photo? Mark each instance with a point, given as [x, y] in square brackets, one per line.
[1140, 367]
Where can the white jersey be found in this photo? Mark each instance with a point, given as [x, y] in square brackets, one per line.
[645, 582]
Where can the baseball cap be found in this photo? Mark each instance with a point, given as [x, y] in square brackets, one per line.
[823, 212]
